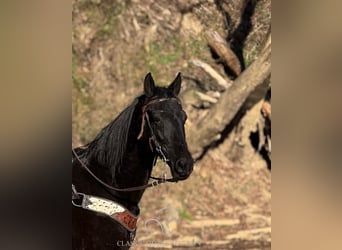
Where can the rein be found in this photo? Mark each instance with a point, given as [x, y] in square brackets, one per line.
[158, 149]
[152, 184]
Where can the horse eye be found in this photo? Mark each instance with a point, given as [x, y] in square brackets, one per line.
[156, 120]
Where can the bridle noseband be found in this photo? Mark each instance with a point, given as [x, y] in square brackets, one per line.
[157, 148]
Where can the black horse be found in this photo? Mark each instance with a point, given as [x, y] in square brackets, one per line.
[111, 173]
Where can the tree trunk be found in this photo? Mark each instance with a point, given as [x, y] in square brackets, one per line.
[210, 127]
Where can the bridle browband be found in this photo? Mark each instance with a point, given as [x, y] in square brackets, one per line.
[158, 149]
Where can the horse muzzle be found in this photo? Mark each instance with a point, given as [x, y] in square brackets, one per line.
[183, 168]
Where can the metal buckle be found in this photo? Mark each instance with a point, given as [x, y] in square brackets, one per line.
[154, 183]
[81, 198]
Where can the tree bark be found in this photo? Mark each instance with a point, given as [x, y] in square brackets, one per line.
[222, 49]
[210, 127]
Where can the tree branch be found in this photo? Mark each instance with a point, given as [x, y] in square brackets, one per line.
[213, 73]
[222, 49]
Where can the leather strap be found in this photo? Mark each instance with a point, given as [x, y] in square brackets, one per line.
[152, 184]
[126, 219]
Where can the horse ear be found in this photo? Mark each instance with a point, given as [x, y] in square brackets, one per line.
[149, 85]
[175, 86]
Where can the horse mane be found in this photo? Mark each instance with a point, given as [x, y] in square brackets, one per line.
[108, 147]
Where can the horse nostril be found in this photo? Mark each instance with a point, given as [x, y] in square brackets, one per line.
[182, 166]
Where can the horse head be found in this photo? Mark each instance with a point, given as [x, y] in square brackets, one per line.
[163, 120]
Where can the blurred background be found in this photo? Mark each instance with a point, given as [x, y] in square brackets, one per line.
[222, 48]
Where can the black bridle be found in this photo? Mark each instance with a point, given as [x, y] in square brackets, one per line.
[157, 148]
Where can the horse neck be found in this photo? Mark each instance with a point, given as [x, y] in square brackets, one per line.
[133, 170]
[136, 166]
